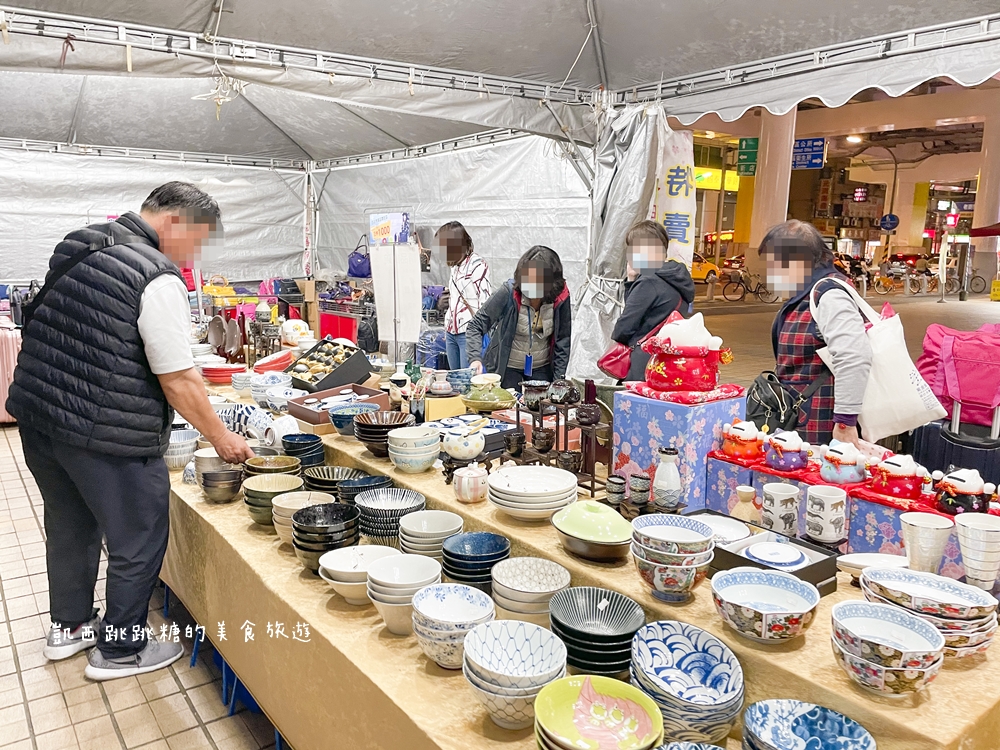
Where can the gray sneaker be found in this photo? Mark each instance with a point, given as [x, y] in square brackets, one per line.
[156, 655]
[62, 643]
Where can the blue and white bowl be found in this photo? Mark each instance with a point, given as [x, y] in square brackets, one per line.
[767, 606]
[451, 608]
[514, 654]
[885, 635]
[389, 502]
[675, 534]
[412, 464]
[794, 725]
[446, 653]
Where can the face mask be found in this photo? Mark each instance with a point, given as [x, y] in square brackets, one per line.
[532, 290]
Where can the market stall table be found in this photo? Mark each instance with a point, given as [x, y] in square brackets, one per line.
[355, 685]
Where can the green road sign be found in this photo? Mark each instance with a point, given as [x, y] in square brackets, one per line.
[749, 144]
[746, 157]
[746, 170]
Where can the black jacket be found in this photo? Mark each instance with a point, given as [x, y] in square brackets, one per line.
[82, 376]
[498, 318]
[648, 301]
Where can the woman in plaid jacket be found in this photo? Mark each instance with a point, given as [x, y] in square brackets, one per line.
[800, 265]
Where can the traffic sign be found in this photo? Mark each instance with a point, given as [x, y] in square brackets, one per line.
[889, 222]
[746, 157]
[746, 170]
[749, 144]
[809, 153]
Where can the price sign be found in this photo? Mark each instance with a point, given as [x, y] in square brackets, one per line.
[387, 228]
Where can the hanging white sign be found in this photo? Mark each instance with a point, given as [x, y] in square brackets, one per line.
[674, 204]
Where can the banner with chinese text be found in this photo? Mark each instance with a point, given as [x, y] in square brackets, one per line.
[674, 203]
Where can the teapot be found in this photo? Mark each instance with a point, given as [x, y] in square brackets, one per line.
[785, 451]
[843, 463]
[742, 440]
[471, 484]
[464, 444]
[899, 476]
[963, 491]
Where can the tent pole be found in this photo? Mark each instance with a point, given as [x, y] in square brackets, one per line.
[572, 142]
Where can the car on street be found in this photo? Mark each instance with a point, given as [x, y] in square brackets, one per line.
[702, 270]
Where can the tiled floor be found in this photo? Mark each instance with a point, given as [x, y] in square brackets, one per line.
[52, 706]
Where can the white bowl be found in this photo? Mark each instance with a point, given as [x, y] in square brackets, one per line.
[508, 712]
[284, 532]
[377, 596]
[406, 592]
[479, 682]
[430, 524]
[412, 464]
[524, 608]
[404, 571]
[529, 579]
[767, 606]
[286, 504]
[353, 593]
[178, 461]
[541, 620]
[422, 542]
[510, 653]
[451, 607]
[398, 618]
[447, 655]
[350, 564]
[415, 437]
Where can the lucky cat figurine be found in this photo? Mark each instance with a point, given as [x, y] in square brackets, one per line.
[785, 451]
[899, 476]
[843, 463]
[742, 440]
[963, 491]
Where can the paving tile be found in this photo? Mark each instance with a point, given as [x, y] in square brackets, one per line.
[70, 671]
[192, 739]
[164, 685]
[96, 734]
[11, 733]
[137, 725]
[173, 714]
[61, 739]
[191, 677]
[34, 566]
[28, 629]
[29, 654]
[40, 682]
[232, 729]
[158, 745]
[10, 698]
[16, 587]
[7, 665]
[48, 714]
[126, 699]
[89, 692]
[21, 606]
[207, 701]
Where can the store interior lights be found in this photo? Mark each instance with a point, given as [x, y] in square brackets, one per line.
[854, 139]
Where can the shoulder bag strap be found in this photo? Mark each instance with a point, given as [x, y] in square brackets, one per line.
[867, 311]
[58, 272]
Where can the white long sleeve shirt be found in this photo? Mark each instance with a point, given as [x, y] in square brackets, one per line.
[469, 288]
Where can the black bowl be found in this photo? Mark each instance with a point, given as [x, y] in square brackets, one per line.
[599, 656]
[300, 441]
[602, 670]
[594, 615]
[325, 518]
[349, 542]
[349, 488]
[588, 645]
[331, 476]
[326, 536]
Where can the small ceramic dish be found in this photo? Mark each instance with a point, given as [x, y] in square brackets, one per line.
[402, 571]
[885, 680]
[451, 607]
[529, 579]
[853, 564]
[672, 583]
[672, 533]
[886, 635]
[414, 438]
[430, 524]
[476, 546]
[352, 593]
[596, 615]
[767, 606]
[771, 722]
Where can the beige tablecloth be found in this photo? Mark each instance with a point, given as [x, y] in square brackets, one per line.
[354, 685]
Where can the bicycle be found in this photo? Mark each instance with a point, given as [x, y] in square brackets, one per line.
[886, 284]
[977, 284]
[951, 285]
[736, 290]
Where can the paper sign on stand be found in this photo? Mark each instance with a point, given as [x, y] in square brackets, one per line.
[389, 227]
[398, 299]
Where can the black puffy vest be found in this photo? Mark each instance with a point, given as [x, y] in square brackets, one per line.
[82, 376]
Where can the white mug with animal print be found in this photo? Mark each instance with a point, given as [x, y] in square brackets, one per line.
[826, 513]
[780, 508]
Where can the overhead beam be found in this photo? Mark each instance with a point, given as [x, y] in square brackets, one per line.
[487, 138]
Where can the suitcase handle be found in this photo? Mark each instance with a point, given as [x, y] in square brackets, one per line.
[956, 420]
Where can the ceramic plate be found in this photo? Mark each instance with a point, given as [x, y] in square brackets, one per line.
[532, 499]
[776, 554]
[727, 530]
[793, 725]
[532, 481]
[857, 562]
[929, 593]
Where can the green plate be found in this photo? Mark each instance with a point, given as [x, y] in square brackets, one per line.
[593, 522]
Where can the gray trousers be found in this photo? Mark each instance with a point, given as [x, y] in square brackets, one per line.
[88, 496]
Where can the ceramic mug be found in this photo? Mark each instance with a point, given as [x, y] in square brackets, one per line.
[279, 428]
[826, 513]
[514, 441]
[925, 535]
[780, 509]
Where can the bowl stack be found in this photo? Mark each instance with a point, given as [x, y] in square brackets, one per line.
[262, 465]
[183, 444]
[262, 382]
[392, 583]
[305, 447]
[597, 626]
[342, 416]
[413, 450]
[469, 558]
[532, 493]
[424, 532]
[523, 587]
[241, 382]
[443, 614]
[346, 570]
[283, 506]
[221, 485]
[965, 615]
[767, 606]
[779, 724]
[258, 491]
[460, 380]
[320, 528]
[885, 649]
[206, 459]
[277, 397]
[508, 663]
[672, 554]
[326, 478]
[593, 531]
[348, 489]
[979, 540]
[605, 703]
[381, 510]
[692, 676]
[372, 428]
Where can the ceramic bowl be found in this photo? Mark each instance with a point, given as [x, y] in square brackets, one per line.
[529, 579]
[376, 594]
[420, 543]
[272, 464]
[593, 550]
[345, 540]
[413, 452]
[348, 489]
[476, 546]
[398, 618]
[511, 712]
[672, 583]
[451, 608]
[342, 417]
[446, 654]
[774, 722]
[672, 533]
[351, 564]
[885, 635]
[431, 524]
[259, 515]
[480, 682]
[667, 558]
[414, 437]
[966, 638]
[286, 504]
[388, 502]
[401, 571]
[928, 593]
[514, 654]
[526, 608]
[412, 464]
[596, 615]
[315, 541]
[284, 532]
[591, 521]
[885, 680]
[767, 606]
[352, 593]
[326, 518]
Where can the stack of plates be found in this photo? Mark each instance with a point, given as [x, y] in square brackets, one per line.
[241, 381]
[274, 362]
[469, 558]
[597, 626]
[348, 489]
[854, 563]
[305, 447]
[777, 555]
[320, 528]
[560, 705]
[392, 583]
[262, 382]
[346, 570]
[326, 478]
[523, 586]
[201, 350]
[372, 428]
[773, 724]
[532, 493]
[183, 444]
[277, 397]
[965, 615]
[381, 511]
[283, 506]
[443, 614]
[258, 491]
[221, 372]
[424, 532]
[692, 676]
[508, 664]
[260, 465]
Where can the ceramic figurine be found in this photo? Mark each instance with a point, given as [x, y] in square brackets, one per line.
[842, 463]
[899, 476]
[785, 451]
[963, 491]
[742, 440]
[684, 355]
[564, 392]
[667, 487]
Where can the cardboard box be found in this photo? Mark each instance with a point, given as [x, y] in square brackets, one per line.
[436, 407]
[298, 409]
[355, 369]
[316, 429]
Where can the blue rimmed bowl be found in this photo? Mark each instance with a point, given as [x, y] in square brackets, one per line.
[885, 635]
[767, 606]
[794, 725]
[677, 535]
[342, 417]
[450, 608]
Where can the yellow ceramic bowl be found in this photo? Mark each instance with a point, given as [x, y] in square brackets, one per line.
[592, 521]
[590, 712]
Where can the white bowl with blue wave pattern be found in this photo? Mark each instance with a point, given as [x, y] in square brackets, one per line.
[793, 725]
[451, 607]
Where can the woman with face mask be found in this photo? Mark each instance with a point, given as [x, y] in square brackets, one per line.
[800, 265]
[468, 288]
[529, 322]
[658, 287]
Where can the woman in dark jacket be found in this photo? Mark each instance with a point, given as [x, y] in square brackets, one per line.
[529, 322]
[660, 287]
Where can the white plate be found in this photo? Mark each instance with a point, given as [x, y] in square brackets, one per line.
[503, 497]
[857, 562]
[524, 514]
[548, 505]
[727, 530]
[775, 553]
[532, 481]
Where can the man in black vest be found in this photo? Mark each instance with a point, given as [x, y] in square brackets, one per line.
[105, 360]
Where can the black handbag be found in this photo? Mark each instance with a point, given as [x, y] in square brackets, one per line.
[773, 406]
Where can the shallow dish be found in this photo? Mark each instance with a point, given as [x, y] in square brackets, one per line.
[272, 464]
[929, 593]
[351, 565]
[776, 722]
[400, 571]
[596, 615]
[961, 653]
[532, 482]
[672, 533]
[509, 653]
[352, 487]
[855, 563]
[885, 635]
[767, 606]
[885, 680]
[727, 530]
[331, 476]
[775, 554]
[672, 583]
